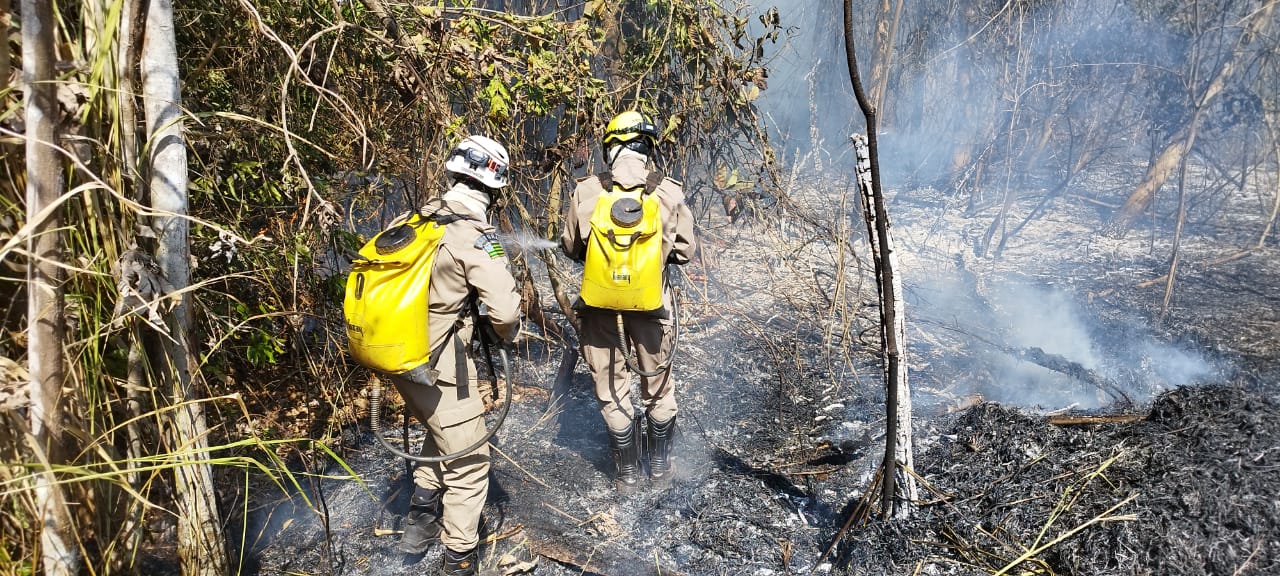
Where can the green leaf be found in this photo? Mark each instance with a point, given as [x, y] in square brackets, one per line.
[499, 99]
[594, 8]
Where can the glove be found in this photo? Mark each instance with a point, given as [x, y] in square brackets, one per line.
[487, 332]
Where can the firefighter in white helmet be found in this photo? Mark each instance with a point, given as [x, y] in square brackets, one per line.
[448, 496]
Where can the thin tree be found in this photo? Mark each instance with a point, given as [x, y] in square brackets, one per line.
[887, 19]
[45, 320]
[6, 24]
[897, 484]
[201, 544]
[1181, 143]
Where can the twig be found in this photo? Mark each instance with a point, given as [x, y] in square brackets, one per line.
[518, 466]
[813, 472]
[1216, 261]
[575, 519]
[1103, 517]
[1247, 561]
[509, 533]
[862, 505]
[1105, 419]
[593, 518]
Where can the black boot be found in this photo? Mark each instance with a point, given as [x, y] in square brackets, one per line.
[458, 563]
[422, 522]
[661, 436]
[626, 456]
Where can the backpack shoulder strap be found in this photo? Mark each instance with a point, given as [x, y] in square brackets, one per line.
[450, 218]
[652, 181]
[444, 215]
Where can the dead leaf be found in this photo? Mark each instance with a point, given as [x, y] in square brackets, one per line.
[510, 566]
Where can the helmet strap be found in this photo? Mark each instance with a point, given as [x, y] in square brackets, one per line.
[611, 154]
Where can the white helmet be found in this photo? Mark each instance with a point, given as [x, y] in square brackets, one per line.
[480, 158]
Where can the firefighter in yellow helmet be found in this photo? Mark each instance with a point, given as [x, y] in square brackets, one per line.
[627, 224]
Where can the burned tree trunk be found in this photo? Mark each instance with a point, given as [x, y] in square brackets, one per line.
[897, 486]
[1157, 174]
[59, 553]
[1273, 125]
[201, 545]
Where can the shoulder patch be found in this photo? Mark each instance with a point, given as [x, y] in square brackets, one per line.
[490, 245]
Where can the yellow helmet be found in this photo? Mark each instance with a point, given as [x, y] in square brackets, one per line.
[632, 129]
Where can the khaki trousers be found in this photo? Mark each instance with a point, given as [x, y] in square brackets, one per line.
[453, 419]
[652, 341]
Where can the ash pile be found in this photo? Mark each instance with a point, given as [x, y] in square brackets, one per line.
[1190, 489]
[736, 507]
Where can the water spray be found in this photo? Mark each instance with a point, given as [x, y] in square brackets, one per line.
[526, 242]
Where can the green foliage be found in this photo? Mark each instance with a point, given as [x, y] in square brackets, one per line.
[307, 74]
[256, 334]
[499, 100]
[263, 348]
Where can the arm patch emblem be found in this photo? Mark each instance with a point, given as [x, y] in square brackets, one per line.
[490, 245]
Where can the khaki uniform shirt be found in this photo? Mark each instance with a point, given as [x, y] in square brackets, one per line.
[470, 257]
[678, 242]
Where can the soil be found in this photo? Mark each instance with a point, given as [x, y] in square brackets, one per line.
[782, 413]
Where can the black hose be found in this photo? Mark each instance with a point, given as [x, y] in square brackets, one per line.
[630, 355]
[375, 420]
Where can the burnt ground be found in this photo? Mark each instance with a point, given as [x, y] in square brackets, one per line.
[782, 415]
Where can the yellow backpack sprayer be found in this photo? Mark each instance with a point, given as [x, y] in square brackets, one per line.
[386, 318]
[623, 269]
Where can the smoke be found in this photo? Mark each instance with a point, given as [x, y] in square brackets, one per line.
[977, 84]
[1046, 319]
[969, 80]
[1037, 347]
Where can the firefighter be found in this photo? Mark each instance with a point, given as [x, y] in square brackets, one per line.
[609, 333]
[470, 269]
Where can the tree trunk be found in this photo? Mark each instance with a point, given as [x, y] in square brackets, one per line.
[613, 45]
[126, 70]
[59, 554]
[898, 486]
[6, 25]
[139, 369]
[1176, 257]
[1180, 144]
[887, 18]
[1157, 174]
[201, 545]
[1273, 125]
